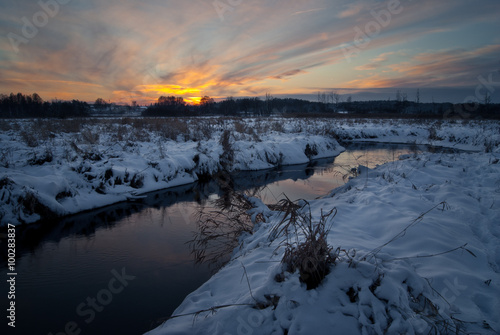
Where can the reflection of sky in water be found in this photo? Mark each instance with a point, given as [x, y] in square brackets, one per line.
[320, 180]
[150, 244]
[153, 229]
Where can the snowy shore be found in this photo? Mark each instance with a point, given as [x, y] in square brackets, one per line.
[53, 168]
[441, 276]
[70, 172]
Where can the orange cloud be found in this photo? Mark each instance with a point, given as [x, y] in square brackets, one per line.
[127, 50]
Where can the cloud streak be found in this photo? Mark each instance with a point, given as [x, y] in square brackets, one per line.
[135, 50]
[443, 68]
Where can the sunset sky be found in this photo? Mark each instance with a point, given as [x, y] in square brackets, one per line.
[125, 50]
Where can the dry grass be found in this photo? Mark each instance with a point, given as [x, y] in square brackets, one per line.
[227, 157]
[29, 138]
[6, 156]
[30, 205]
[90, 136]
[240, 127]
[6, 125]
[221, 225]
[311, 255]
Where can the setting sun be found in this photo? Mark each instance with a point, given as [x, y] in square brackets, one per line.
[168, 90]
[193, 100]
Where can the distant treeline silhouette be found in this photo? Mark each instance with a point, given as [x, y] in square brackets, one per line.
[175, 106]
[30, 106]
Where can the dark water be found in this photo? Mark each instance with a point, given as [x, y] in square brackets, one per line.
[123, 268]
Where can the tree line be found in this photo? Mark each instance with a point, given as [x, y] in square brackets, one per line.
[325, 106]
[30, 106]
[176, 106]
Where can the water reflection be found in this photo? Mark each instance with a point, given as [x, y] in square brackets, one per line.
[219, 227]
[320, 177]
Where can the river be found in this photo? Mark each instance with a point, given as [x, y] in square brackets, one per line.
[124, 268]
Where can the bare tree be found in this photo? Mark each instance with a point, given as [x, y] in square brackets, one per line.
[487, 99]
[36, 98]
[207, 104]
[100, 104]
[337, 98]
[398, 96]
[269, 99]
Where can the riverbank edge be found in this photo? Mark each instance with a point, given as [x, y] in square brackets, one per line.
[60, 191]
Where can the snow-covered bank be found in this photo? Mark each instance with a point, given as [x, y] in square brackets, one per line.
[460, 134]
[57, 167]
[69, 172]
[442, 275]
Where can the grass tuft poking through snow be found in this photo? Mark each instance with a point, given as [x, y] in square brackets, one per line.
[311, 256]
